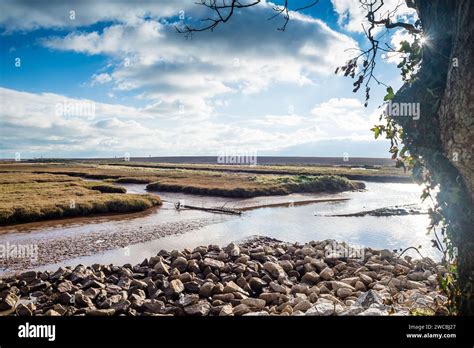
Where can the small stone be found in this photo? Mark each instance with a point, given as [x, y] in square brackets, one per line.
[153, 306]
[410, 284]
[359, 286]
[201, 308]
[343, 292]
[310, 278]
[93, 284]
[188, 299]
[101, 312]
[313, 297]
[162, 268]
[122, 306]
[23, 311]
[256, 284]
[303, 306]
[206, 289]
[82, 300]
[233, 250]
[28, 276]
[8, 302]
[417, 276]
[241, 309]
[65, 286]
[254, 302]
[138, 284]
[66, 298]
[278, 288]
[226, 310]
[174, 288]
[300, 288]
[269, 297]
[232, 287]
[336, 285]
[320, 265]
[327, 274]
[192, 287]
[365, 279]
[287, 265]
[274, 269]
[180, 263]
[215, 264]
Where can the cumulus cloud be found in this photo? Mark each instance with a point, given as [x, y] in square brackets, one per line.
[247, 55]
[31, 124]
[346, 117]
[101, 78]
[21, 15]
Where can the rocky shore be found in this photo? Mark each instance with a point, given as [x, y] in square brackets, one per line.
[260, 277]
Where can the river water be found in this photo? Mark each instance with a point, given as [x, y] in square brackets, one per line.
[294, 223]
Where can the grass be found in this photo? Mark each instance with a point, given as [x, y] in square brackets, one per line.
[383, 173]
[244, 186]
[26, 197]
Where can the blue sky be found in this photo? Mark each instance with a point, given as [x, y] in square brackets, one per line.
[112, 77]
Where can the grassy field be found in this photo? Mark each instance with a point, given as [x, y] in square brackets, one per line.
[239, 185]
[383, 173]
[26, 197]
[194, 181]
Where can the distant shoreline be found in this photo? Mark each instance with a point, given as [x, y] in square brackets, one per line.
[275, 160]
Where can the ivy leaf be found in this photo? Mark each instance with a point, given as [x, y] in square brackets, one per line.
[389, 95]
[376, 131]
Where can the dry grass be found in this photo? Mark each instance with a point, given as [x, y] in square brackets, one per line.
[26, 197]
[233, 185]
[384, 171]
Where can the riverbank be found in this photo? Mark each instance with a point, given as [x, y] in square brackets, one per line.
[27, 197]
[260, 276]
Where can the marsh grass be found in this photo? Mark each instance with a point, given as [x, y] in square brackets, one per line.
[26, 197]
[245, 186]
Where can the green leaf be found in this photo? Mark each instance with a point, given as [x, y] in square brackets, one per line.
[389, 95]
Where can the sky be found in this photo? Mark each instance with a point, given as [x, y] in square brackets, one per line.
[109, 78]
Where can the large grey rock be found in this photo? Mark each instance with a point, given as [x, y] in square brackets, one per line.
[368, 298]
[323, 308]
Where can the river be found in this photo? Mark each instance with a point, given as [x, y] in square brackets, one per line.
[166, 228]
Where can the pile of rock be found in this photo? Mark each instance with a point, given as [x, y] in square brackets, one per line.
[257, 277]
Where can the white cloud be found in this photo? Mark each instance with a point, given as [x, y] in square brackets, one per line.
[101, 78]
[30, 124]
[346, 117]
[22, 15]
[352, 14]
[246, 55]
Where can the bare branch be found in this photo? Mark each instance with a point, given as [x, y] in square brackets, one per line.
[221, 7]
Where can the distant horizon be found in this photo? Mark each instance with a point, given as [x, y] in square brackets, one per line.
[258, 160]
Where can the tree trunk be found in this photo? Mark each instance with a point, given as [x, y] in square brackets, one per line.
[443, 136]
